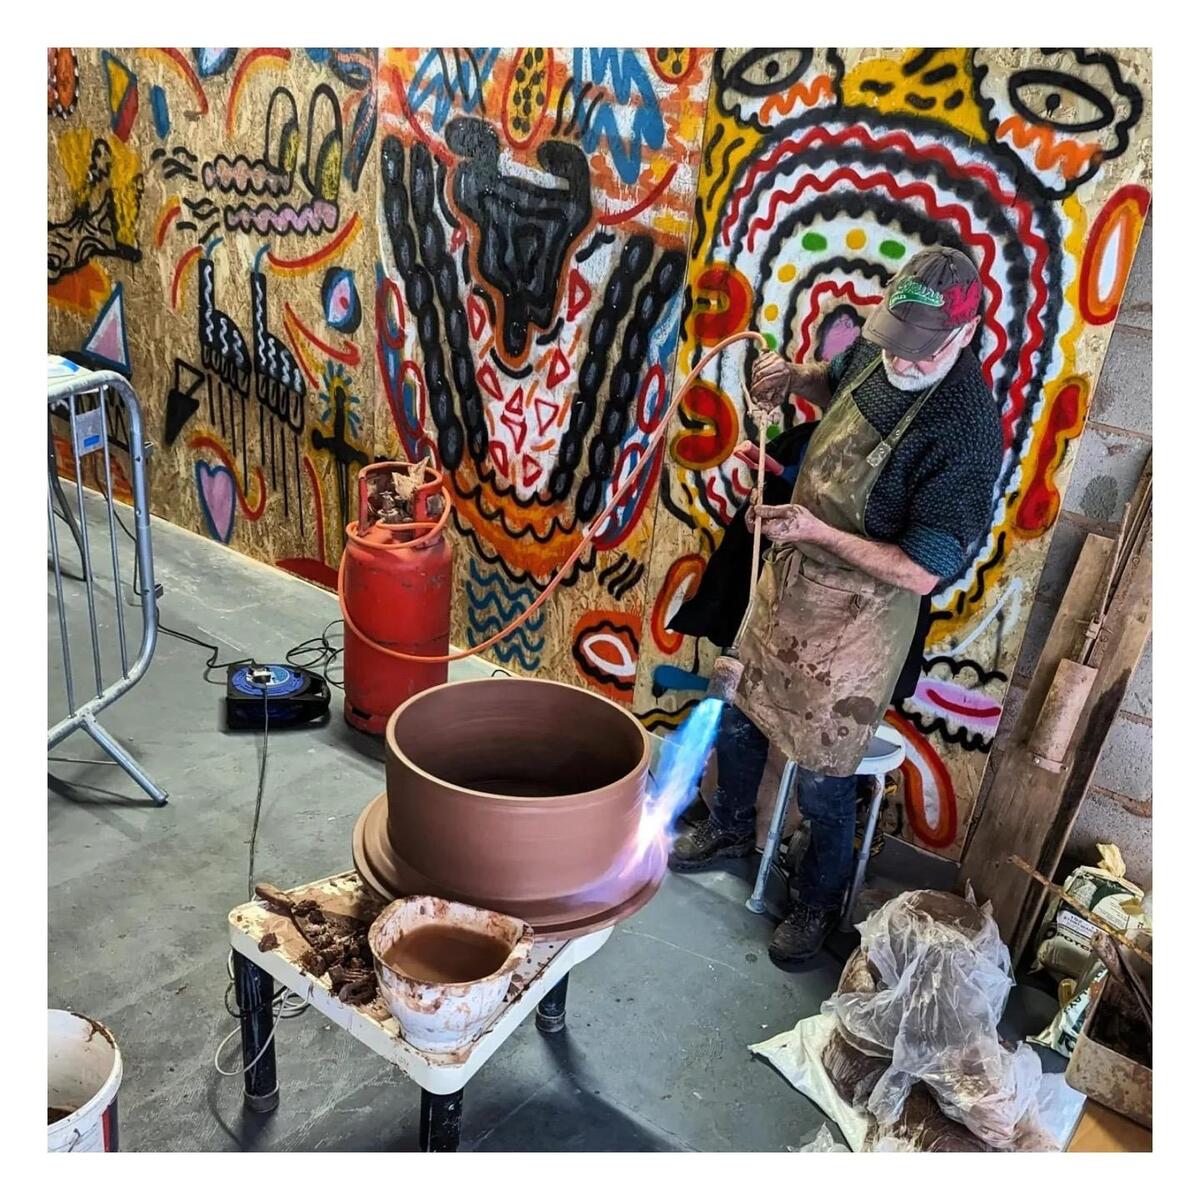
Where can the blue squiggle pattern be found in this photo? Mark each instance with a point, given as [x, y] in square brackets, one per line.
[464, 86]
[660, 352]
[493, 606]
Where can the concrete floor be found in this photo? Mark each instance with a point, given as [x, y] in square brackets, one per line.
[654, 1057]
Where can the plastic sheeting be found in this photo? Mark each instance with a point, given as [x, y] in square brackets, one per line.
[944, 976]
[822, 1142]
[914, 1038]
[802, 1056]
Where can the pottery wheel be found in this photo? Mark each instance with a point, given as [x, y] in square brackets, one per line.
[384, 871]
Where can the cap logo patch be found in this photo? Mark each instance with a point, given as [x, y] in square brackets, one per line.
[962, 301]
[913, 291]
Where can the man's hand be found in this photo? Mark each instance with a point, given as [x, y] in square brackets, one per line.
[749, 516]
[770, 380]
[789, 523]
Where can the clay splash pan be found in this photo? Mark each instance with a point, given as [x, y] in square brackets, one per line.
[519, 795]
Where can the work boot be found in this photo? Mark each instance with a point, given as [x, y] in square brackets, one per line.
[696, 813]
[706, 844]
[801, 934]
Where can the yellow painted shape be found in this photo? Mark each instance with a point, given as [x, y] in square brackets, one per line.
[689, 122]
[330, 176]
[1073, 244]
[889, 73]
[771, 311]
[75, 153]
[118, 83]
[787, 272]
[856, 239]
[712, 201]
[126, 188]
[668, 224]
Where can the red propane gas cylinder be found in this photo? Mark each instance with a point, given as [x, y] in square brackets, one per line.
[395, 589]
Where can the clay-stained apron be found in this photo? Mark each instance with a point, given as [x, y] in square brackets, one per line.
[826, 642]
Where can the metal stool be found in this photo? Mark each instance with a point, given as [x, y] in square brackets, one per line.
[885, 752]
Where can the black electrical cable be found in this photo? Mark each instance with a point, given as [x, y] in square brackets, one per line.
[321, 646]
[322, 655]
[262, 775]
[327, 652]
[330, 653]
[213, 651]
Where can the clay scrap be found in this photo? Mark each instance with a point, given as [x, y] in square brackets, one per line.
[337, 945]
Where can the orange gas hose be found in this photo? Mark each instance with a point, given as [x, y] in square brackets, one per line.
[588, 535]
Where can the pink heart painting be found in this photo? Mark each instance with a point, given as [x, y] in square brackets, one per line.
[218, 493]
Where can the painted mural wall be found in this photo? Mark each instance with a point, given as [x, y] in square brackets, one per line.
[309, 259]
[212, 234]
[535, 211]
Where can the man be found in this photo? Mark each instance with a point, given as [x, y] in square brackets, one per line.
[890, 499]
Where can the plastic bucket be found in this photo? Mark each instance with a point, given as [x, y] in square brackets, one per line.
[83, 1077]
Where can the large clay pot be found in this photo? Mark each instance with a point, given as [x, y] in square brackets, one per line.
[519, 795]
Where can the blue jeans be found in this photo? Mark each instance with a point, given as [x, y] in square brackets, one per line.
[827, 802]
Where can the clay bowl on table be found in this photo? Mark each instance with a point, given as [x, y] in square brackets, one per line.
[519, 795]
[445, 1015]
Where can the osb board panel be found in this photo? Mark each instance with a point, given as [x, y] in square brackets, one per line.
[535, 210]
[822, 171]
[212, 231]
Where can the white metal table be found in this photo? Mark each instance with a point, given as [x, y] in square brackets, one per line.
[539, 984]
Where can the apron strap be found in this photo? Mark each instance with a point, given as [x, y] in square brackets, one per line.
[849, 387]
[889, 443]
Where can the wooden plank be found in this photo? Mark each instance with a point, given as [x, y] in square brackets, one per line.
[1019, 806]
[1115, 655]
[1030, 812]
[1080, 605]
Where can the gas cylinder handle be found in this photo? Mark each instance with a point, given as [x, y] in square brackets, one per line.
[432, 530]
[421, 499]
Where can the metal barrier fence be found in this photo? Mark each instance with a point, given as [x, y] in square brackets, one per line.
[102, 414]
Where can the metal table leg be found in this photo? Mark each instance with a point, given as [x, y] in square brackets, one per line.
[254, 988]
[441, 1121]
[864, 852]
[757, 903]
[552, 1010]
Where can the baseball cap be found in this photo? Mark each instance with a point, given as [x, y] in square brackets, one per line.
[933, 294]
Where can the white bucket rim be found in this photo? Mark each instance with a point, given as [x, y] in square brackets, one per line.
[106, 1093]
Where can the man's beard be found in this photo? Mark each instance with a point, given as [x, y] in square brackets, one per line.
[918, 383]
